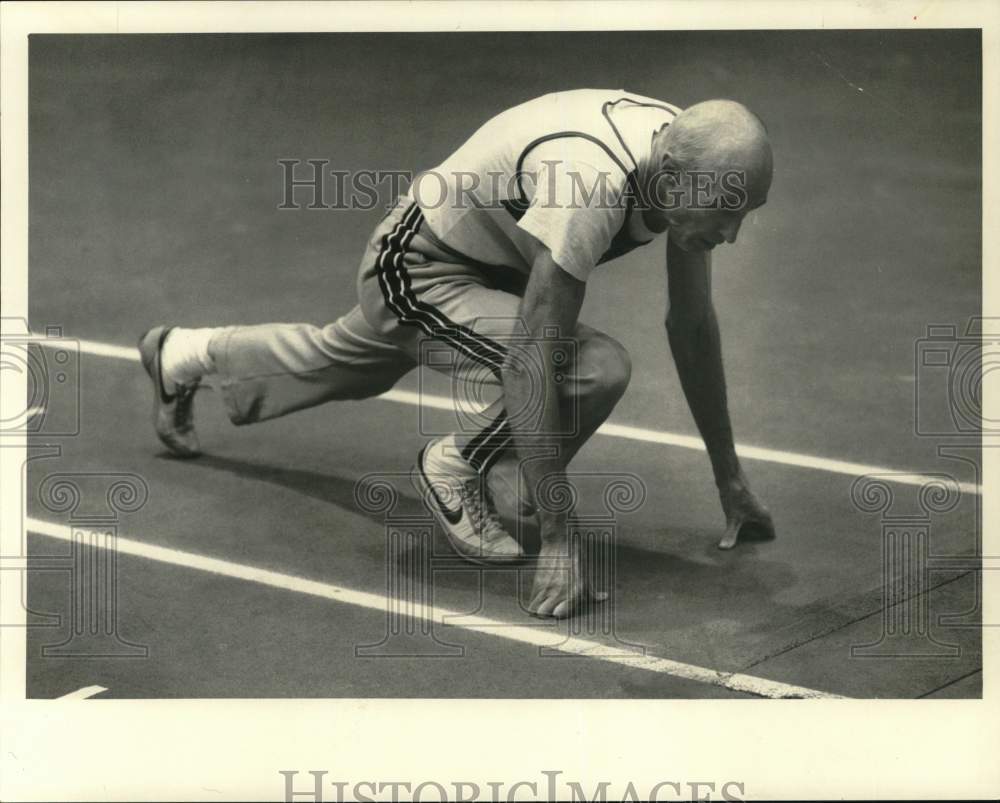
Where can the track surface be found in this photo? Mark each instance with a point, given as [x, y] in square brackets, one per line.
[154, 187]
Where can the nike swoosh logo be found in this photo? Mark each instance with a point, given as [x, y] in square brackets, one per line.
[451, 516]
[154, 366]
[159, 367]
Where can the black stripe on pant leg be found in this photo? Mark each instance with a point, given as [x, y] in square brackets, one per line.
[384, 248]
[489, 352]
[477, 347]
[493, 352]
[483, 451]
[477, 442]
[497, 451]
[394, 283]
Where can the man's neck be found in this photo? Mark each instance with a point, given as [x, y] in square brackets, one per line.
[654, 219]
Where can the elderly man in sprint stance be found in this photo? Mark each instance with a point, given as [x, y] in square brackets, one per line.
[489, 261]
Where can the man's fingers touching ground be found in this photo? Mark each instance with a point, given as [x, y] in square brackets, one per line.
[559, 607]
[754, 528]
[731, 535]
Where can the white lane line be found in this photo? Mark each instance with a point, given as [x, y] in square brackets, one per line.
[535, 636]
[619, 431]
[777, 456]
[130, 353]
[427, 400]
[83, 694]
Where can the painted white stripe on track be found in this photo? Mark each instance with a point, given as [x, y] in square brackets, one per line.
[130, 353]
[533, 636]
[618, 431]
[83, 694]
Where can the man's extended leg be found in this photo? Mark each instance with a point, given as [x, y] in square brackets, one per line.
[265, 371]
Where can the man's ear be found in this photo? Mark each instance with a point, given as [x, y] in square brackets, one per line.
[670, 170]
[668, 163]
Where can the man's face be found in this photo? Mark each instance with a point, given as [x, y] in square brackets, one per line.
[700, 221]
[703, 229]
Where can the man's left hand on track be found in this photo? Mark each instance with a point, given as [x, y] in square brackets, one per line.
[744, 510]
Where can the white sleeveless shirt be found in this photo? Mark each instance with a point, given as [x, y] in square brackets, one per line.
[555, 171]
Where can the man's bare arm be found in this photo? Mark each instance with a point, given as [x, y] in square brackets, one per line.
[693, 331]
[551, 303]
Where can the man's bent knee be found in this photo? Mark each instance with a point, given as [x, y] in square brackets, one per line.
[605, 365]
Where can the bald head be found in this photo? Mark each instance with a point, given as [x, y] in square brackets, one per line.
[709, 168]
[717, 135]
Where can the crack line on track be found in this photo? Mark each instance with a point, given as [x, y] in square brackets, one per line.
[735, 681]
[608, 429]
[850, 622]
[949, 683]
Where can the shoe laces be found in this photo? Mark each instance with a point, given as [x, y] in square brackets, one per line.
[481, 509]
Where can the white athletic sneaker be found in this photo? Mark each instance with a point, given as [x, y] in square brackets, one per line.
[465, 511]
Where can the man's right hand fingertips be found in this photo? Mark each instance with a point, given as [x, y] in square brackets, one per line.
[730, 537]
